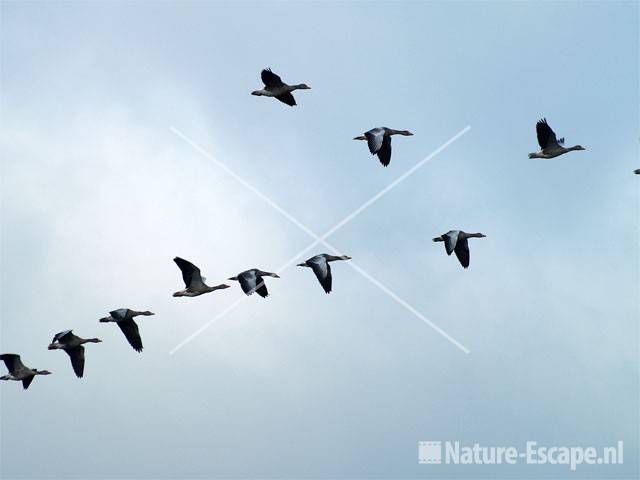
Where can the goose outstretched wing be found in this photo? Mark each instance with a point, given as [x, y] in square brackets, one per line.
[287, 98]
[190, 273]
[546, 136]
[450, 241]
[13, 363]
[462, 252]
[374, 137]
[270, 79]
[322, 269]
[132, 334]
[76, 355]
[384, 154]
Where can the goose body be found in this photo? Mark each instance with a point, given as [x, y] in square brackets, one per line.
[456, 241]
[252, 281]
[18, 372]
[379, 142]
[193, 280]
[320, 266]
[73, 346]
[276, 88]
[123, 317]
[550, 145]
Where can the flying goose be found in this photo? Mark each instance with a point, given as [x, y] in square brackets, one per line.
[550, 146]
[17, 370]
[637, 171]
[193, 280]
[379, 141]
[275, 87]
[456, 241]
[72, 344]
[320, 266]
[124, 318]
[251, 281]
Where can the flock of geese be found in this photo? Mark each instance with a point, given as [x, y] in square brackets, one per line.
[379, 142]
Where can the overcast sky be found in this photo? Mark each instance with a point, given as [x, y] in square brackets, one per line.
[99, 194]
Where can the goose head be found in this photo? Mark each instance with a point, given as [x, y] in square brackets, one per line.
[406, 133]
[41, 372]
[578, 147]
[147, 313]
[106, 319]
[55, 346]
[257, 93]
[303, 86]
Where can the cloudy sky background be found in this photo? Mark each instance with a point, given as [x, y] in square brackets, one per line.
[98, 195]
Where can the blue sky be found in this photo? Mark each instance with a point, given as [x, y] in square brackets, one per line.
[98, 195]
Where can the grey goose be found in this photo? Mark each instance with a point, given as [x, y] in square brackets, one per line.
[123, 317]
[456, 241]
[320, 266]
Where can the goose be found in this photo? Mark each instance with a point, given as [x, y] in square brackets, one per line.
[17, 370]
[72, 344]
[379, 141]
[124, 318]
[456, 241]
[251, 281]
[275, 87]
[320, 266]
[637, 171]
[550, 146]
[193, 280]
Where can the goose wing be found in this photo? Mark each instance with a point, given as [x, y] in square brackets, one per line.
[270, 79]
[462, 251]
[262, 288]
[248, 281]
[132, 334]
[546, 136]
[287, 98]
[375, 138]
[76, 355]
[322, 269]
[66, 336]
[384, 154]
[13, 363]
[27, 381]
[120, 314]
[451, 240]
[190, 273]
